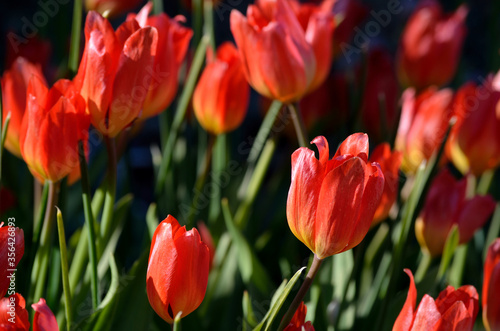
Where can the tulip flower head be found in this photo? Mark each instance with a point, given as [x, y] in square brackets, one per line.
[446, 204]
[14, 85]
[278, 61]
[178, 268]
[491, 288]
[331, 202]
[474, 143]
[298, 322]
[113, 76]
[430, 46]
[173, 43]
[54, 122]
[220, 100]
[453, 310]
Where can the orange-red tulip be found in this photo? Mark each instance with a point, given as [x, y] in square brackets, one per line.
[298, 322]
[11, 252]
[111, 8]
[177, 273]
[44, 319]
[491, 288]
[279, 63]
[115, 72]
[13, 313]
[453, 310]
[446, 204]
[430, 46]
[381, 90]
[54, 122]
[423, 124]
[474, 143]
[331, 202]
[220, 100]
[173, 43]
[389, 163]
[14, 86]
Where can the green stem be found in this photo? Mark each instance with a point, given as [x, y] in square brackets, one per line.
[218, 167]
[208, 16]
[485, 182]
[64, 269]
[74, 52]
[424, 265]
[299, 297]
[3, 136]
[197, 14]
[89, 221]
[109, 202]
[180, 113]
[157, 7]
[41, 263]
[298, 123]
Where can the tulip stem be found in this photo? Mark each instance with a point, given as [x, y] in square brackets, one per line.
[64, 270]
[299, 297]
[298, 123]
[208, 14]
[424, 265]
[89, 221]
[74, 52]
[41, 263]
[109, 202]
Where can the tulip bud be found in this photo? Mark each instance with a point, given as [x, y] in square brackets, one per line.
[177, 273]
[423, 124]
[474, 143]
[331, 202]
[14, 86]
[491, 288]
[389, 164]
[452, 310]
[173, 43]
[114, 75]
[111, 8]
[298, 322]
[430, 47]
[54, 122]
[220, 100]
[446, 204]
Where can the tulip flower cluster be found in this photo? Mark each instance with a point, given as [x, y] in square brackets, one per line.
[157, 166]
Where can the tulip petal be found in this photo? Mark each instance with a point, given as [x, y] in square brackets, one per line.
[7, 234]
[44, 319]
[491, 311]
[405, 317]
[474, 214]
[21, 316]
[356, 144]
[427, 315]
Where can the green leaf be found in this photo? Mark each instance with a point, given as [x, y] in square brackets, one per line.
[449, 249]
[152, 219]
[64, 270]
[248, 314]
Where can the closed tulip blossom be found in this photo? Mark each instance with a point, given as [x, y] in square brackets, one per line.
[453, 310]
[111, 8]
[14, 85]
[178, 268]
[331, 202]
[54, 122]
[446, 205]
[173, 43]
[278, 61]
[491, 288]
[389, 163]
[423, 124]
[474, 143]
[115, 72]
[298, 322]
[220, 100]
[11, 252]
[430, 46]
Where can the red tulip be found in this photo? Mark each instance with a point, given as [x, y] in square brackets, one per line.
[173, 43]
[177, 273]
[11, 252]
[474, 143]
[423, 124]
[14, 86]
[453, 310]
[331, 203]
[220, 100]
[54, 122]
[380, 90]
[111, 8]
[389, 163]
[279, 63]
[44, 319]
[115, 72]
[446, 204]
[491, 288]
[298, 322]
[13, 313]
[430, 46]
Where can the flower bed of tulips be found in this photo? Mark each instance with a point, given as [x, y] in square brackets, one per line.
[263, 166]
